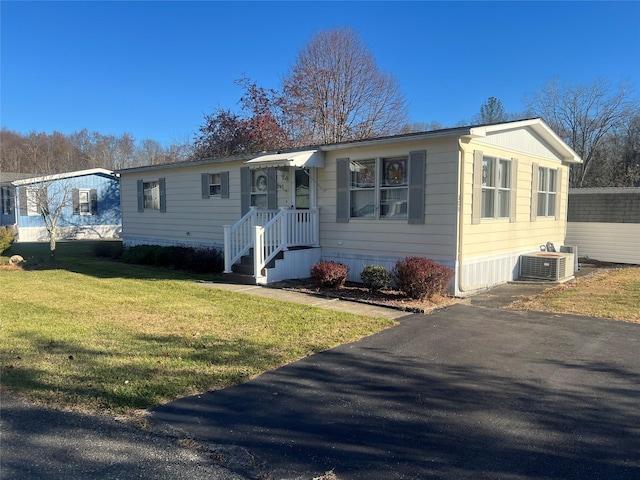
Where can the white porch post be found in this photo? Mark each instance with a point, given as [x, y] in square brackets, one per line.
[227, 248]
[285, 228]
[316, 226]
[258, 251]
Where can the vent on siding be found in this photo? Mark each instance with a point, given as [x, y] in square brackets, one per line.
[546, 266]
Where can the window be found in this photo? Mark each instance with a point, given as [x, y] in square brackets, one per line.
[215, 184]
[547, 192]
[7, 200]
[379, 188]
[33, 208]
[85, 201]
[496, 187]
[151, 192]
[259, 187]
[152, 195]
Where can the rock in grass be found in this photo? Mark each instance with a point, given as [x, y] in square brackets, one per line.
[16, 260]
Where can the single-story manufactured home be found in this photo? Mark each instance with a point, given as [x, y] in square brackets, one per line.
[472, 198]
[88, 203]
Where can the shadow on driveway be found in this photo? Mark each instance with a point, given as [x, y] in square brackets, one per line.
[462, 393]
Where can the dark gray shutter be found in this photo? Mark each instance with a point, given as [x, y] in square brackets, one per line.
[514, 190]
[534, 191]
[22, 198]
[272, 189]
[417, 179]
[558, 189]
[245, 190]
[163, 194]
[75, 197]
[476, 206]
[93, 196]
[140, 186]
[343, 174]
[205, 179]
[224, 188]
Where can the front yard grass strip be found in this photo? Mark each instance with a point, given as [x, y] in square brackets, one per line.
[95, 334]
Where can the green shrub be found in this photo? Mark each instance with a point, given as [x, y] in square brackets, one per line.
[108, 249]
[141, 255]
[421, 278]
[6, 239]
[329, 274]
[197, 260]
[375, 277]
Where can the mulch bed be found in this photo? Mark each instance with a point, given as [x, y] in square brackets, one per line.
[358, 293]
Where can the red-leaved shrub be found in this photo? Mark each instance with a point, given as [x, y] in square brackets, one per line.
[329, 274]
[421, 277]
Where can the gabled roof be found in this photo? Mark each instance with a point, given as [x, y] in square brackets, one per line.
[537, 125]
[286, 156]
[60, 176]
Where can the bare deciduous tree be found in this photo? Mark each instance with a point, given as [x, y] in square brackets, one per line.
[336, 92]
[50, 199]
[585, 117]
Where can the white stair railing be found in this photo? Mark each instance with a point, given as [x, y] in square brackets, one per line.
[269, 233]
[239, 238]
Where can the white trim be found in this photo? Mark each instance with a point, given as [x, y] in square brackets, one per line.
[306, 159]
[81, 232]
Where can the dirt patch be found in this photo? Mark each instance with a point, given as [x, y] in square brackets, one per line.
[358, 293]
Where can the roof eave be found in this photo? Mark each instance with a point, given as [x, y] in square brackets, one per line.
[61, 176]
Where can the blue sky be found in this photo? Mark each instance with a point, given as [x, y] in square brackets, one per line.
[154, 68]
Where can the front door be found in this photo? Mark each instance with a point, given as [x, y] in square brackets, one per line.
[302, 190]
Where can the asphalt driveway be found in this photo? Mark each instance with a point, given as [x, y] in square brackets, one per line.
[465, 392]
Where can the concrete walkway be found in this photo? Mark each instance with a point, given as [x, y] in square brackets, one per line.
[312, 300]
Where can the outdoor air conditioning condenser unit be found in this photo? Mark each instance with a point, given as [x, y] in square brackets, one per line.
[547, 266]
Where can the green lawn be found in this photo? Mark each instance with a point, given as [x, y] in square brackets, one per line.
[98, 334]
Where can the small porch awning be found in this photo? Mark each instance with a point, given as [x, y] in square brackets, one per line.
[305, 159]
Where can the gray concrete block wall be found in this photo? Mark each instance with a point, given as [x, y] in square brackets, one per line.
[604, 205]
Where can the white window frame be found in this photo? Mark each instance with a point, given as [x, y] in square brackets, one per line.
[384, 183]
[33, 209]
[215, 184]
[151, 193]
[547, 192]
[84, 207]
[259, 188]
[496, 190]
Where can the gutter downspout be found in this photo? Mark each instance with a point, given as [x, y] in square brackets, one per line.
[462, 288]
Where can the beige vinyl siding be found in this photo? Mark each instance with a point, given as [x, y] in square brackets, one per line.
[391, 238]
[189, 219]
[501, 236]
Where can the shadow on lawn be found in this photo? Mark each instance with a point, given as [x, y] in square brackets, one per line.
[79, 257]
[153, 369]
